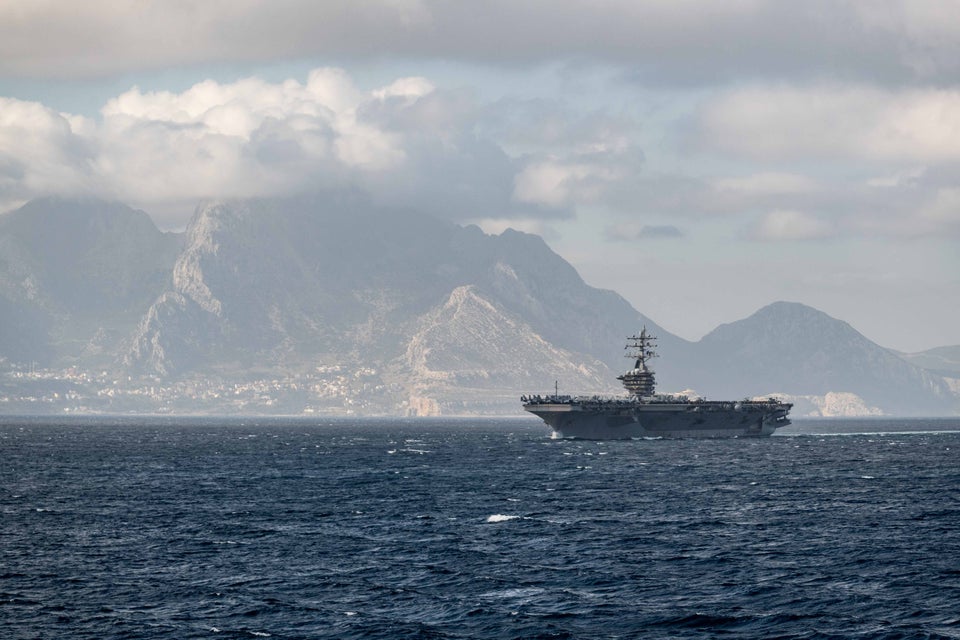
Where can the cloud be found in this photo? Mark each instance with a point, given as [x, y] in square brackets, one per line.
[766, 184]
[942, 212]
[628, 231]
[559, 185]
[791, 225]
[413, 144]
[406, 144]
[677, 41]
[898, 179]
[42, 150]
[831, 122]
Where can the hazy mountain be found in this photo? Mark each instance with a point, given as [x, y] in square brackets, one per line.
[332, 304]
[305, 281]
[793, 348]
[942, 360]
[75, 271]
[471, 352]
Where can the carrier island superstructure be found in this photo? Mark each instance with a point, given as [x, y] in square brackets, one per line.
[645, 414]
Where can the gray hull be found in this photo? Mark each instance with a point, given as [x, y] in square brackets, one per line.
[661, 420]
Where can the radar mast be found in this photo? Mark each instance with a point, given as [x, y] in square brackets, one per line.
[640, 381]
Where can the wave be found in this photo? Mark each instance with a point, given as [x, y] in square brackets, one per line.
[499, 517]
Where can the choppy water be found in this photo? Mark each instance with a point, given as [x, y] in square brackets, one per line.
[398, 529]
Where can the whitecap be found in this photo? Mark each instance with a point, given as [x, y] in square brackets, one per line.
[499, 517]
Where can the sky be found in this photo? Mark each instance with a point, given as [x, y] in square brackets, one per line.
[701, 158]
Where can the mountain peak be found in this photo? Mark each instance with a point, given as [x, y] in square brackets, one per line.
[53, 216]
[85, 253]
[788, 305]
[791, 345]
[783, 309]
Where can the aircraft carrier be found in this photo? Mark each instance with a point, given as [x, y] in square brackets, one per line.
[645, 414]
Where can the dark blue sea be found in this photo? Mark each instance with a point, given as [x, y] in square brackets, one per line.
[247, 528]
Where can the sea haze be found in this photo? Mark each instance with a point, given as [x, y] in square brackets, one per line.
[203, 528]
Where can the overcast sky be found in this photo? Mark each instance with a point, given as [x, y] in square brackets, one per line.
[701, 158]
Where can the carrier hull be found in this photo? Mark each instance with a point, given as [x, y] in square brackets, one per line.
[626, 419]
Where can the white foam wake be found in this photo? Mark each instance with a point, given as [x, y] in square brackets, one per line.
[499, 517]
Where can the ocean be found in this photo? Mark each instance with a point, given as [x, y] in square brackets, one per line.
[290, 528]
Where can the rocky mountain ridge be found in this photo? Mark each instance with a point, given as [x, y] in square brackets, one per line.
[347, 307]
[942, 360]
[75, 275]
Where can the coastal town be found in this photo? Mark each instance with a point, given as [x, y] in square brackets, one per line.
[331, 389]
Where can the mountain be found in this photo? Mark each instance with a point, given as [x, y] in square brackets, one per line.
[942, 360]
[77, 275]
[793, 348]
[471, 352]
[300, 282]
[329, 304]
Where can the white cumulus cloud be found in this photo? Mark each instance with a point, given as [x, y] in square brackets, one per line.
[405, 144]
[42, 150]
